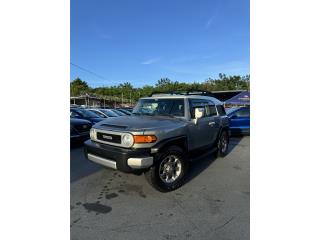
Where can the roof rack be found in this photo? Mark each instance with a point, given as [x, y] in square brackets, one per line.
[169, 93]
[200, 92]
[189, 92]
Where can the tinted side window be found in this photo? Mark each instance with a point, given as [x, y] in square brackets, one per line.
[221, 110]
[210, 110]
[196, 103]
[177, 108]
[243, 113]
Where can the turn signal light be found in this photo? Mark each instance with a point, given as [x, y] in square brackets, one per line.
[144, 138]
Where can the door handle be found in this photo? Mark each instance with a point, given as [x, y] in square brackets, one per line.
[211, 123]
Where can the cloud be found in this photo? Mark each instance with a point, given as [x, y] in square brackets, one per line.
[150, 61]
[101, 31]
[209, 22]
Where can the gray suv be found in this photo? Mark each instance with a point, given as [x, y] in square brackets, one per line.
[164, 133]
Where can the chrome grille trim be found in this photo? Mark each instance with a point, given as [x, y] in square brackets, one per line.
[110, 132]
[103, 161]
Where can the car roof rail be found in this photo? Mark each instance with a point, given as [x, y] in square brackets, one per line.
[201, 92]
[188, 92]
[168, 93]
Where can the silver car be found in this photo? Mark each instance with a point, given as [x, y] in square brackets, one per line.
[164, 133]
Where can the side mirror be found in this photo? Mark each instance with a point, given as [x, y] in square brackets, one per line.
[198, 113]
[234, 117]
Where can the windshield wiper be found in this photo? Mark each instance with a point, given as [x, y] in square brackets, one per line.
[139, 113]
[165, 114]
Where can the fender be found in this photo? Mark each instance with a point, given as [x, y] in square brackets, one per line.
[181, 140]
[220, 131]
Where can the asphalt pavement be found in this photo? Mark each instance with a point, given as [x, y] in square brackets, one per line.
[214, 203]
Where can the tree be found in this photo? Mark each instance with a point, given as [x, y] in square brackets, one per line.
[127, 91]
[126, 85]
[164, 83]
[78, 87]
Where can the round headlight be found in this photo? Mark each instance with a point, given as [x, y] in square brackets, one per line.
[92, 134]
[127, 140]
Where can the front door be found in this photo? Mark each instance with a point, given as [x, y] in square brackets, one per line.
[203, 132]
[241, 120]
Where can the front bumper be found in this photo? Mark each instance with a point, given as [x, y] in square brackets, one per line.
[125, 160]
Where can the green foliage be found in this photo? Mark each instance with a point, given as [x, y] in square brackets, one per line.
[78, 87]
[127, 91]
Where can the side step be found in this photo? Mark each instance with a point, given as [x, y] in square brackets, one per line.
[200, 154]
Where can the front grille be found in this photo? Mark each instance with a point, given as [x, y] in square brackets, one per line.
[82, 128]
[106, 137]
[73, 131]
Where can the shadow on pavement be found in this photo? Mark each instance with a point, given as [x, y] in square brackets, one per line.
[79, 166]
[234, 141]
[197, 167]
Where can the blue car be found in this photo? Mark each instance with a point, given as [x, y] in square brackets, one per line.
[239, 120]
[81, 113]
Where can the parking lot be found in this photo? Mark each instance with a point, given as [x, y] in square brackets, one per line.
[213, 203]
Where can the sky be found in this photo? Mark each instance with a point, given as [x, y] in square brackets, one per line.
[141, 41]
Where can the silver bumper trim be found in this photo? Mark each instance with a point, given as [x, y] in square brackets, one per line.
[137, 163]
[103, 161]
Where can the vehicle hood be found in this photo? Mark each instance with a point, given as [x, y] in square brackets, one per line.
[140, 123]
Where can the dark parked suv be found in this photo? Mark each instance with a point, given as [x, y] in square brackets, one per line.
[164, 133]
[79, 129]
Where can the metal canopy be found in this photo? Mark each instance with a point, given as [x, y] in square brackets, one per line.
[242, 98]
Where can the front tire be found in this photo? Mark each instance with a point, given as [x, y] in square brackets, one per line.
[223, 143]
[169, 170]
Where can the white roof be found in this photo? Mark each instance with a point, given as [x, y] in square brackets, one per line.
[172, 96]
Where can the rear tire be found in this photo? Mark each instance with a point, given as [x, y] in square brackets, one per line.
[169, 170]
[223, 143]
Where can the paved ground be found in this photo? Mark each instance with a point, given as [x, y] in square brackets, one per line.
[213, 204]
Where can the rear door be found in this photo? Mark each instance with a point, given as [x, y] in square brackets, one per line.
[214, 121]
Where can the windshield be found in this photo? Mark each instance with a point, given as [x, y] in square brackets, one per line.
[86, 113]
[125, 111]
[118, 112]
[109, 113]
[164, 107]
[230, 110]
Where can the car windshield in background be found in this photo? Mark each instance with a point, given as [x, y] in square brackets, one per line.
[109, 113]
[124, 111]
[118, 112]
[98, 113]
[86, 113]
[230, 110]
[173, 107]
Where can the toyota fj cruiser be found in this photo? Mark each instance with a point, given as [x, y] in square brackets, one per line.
[164, 133]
